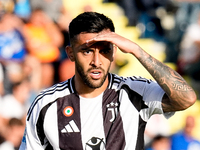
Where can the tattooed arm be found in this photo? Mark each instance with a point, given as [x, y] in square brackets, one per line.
[179, 95]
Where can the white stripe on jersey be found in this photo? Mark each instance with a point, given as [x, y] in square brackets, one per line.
[130, 120]
[51, 125]
[91, 118]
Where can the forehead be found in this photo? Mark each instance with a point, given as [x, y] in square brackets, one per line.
[83, 37]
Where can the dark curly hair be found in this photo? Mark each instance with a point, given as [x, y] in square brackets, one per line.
[89, 22]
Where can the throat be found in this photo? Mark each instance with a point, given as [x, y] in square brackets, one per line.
[87, 92]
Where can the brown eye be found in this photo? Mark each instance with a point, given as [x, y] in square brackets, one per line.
[87, 52]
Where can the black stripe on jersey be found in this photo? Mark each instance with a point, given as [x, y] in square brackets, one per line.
[110, 79]
[71, 85]
[117, 79]
[140, 138]
[50, 91]
[139, 104]
[114, 133]
[135, 98]
[40, 122]
[134, 78]
[113, 79]
[69, 140]
[49, 147]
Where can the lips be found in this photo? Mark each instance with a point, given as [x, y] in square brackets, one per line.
[95, 74]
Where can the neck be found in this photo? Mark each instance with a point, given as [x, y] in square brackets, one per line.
[85, 91]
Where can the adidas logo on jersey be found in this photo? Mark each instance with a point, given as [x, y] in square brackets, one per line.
[70, 127]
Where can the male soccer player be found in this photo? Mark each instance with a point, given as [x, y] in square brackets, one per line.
[98, 110]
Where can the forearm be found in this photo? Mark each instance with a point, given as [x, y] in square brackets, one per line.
[179, 94]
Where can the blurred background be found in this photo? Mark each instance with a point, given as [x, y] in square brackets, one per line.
[33, 37]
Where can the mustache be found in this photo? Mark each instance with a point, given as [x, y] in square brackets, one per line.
[97, 68]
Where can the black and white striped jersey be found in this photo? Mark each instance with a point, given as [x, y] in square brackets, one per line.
[60, 119]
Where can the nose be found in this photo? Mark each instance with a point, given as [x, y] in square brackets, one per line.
[96, 61]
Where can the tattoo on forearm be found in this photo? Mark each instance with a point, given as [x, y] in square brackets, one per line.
[173, 84]
[165, 76]
[181, 87]
[178, 92]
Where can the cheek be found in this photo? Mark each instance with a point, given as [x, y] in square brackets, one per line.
[80, 64]
[109, 57]
[80, 61]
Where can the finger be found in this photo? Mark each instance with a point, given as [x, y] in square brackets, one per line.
[91, 41]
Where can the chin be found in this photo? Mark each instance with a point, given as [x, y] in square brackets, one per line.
[95, 86]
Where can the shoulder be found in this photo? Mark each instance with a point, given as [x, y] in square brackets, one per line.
[56, 90]
[132, 81]
[118, 79]
[147, 88]
[50, 95]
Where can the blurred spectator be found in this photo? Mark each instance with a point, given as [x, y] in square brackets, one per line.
[15, 105]
[160, 143]
[186, 14]
[11, 40]
[1, 139]
[32, 70]
[143, 14]
[22, 9]
[63, 20]
[12, 47]
[64, 67]
[6, 6]
[12, 74]
[189, 55]
[131, 10]
[43, 39]
[14, 134]
[57, 12]
[66, 70]
[183, 140]
[157, 125]
[53, 8]
[1, 81]
[63, 24]
[149, 22]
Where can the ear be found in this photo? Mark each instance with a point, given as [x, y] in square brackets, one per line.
[70, 53]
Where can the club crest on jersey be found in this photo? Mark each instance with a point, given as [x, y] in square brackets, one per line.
[68, 111]
[95, 143]
[112, 107]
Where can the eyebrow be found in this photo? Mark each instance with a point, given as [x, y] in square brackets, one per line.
[83, 47]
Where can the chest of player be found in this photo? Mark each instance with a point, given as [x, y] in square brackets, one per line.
[97, 123]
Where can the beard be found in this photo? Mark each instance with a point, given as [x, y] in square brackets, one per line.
[87, 80]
